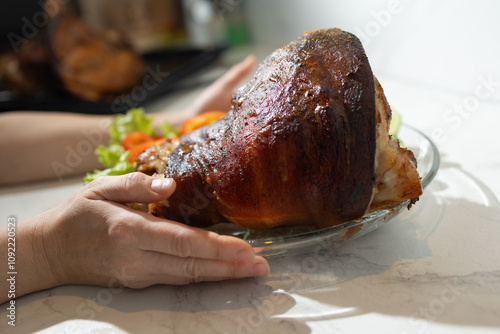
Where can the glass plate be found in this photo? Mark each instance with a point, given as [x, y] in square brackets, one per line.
[279, 241]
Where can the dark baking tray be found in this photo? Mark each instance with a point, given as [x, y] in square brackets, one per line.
[179, 64]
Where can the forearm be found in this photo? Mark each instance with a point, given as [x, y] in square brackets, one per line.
[28, 269]
[42, 145]
[37, 146]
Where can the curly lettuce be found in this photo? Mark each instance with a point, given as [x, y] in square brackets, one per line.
[114, 156]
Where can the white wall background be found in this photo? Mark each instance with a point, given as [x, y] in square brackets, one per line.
[445, 44]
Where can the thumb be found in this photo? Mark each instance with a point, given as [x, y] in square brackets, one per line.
[131, 188]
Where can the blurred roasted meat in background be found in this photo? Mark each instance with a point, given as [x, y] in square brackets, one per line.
[92, 66]
[28, 72]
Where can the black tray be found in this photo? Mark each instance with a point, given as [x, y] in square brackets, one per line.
[179, 64]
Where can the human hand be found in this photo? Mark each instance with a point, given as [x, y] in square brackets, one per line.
[217, 96]
[96, 239]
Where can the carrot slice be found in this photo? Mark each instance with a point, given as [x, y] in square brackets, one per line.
[201, 120]
[138, 149]
[135, 138]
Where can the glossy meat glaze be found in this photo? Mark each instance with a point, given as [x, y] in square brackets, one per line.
[298, 146]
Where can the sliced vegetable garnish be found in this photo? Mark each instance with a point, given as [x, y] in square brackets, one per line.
[169, 131]
[138, 149]
[119, 168]
[395, 123]
[201, 120]
[135, 138]
[114, 156]
[133, 120]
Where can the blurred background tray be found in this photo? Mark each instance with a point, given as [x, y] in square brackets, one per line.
[180, 65]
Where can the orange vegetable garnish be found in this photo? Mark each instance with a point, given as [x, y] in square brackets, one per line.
[135, 138]
[137, 142]
[138, 149]
[201, 120]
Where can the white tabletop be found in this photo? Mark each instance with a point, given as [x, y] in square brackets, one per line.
[433, 269]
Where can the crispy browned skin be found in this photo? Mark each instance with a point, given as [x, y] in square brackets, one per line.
[297, 147]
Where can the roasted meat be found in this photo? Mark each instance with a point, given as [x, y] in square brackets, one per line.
[305, 143]
[92, 66]
[28, 72]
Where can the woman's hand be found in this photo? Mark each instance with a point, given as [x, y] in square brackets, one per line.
[96, 239]
[44, 139]
[217, 96]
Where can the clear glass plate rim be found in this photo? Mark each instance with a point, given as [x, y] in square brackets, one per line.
[426, 180]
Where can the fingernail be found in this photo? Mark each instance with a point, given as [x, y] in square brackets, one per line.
[245, 256]
[161, 185]
[260, 269]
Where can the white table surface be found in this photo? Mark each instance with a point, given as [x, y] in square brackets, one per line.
[433, 269]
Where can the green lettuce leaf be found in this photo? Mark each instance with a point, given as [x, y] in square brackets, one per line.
[133, 120]
[395, 123]
[169, 131]
[109, 155]
[114, 156]
[121, 168]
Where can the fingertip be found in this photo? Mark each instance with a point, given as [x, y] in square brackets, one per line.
[163, 186]
[260, 267]
[130, 188]
[249, 61]
[250, 58]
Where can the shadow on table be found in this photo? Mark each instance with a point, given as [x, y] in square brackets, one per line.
[430, 264]
[435, 263]
[237, 306]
